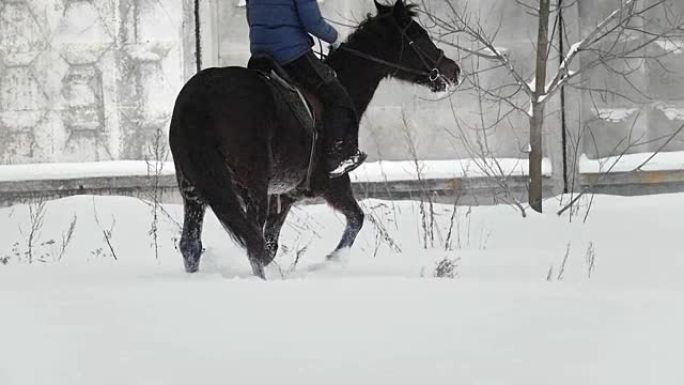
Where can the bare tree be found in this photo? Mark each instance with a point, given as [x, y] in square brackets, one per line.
[474, 138]
[156, 159]
[623, 35]
[427, 208]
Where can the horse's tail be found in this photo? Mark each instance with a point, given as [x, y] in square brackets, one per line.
[204, 169]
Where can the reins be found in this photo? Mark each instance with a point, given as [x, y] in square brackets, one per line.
[382, 61]
[431, 72]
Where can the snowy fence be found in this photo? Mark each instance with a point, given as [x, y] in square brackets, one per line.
[95, 81]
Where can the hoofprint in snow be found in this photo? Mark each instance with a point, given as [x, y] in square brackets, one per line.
[534, 300]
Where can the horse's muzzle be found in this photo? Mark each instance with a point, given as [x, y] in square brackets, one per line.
[446, 77]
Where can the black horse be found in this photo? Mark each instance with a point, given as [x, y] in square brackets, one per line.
[237, 150]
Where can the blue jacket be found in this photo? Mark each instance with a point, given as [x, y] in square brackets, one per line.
[281, 28]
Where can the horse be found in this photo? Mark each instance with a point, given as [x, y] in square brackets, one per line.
[238, 151]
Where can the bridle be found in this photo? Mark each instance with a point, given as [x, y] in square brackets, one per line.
[434, 73]
[431, 71]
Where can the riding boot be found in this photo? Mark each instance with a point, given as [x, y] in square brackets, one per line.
[341, 162]
[339, 121]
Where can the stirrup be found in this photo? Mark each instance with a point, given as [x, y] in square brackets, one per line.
[349, 164]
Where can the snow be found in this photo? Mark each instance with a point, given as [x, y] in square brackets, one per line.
[542, 98]
[574, 48]
[675, 47]
[662, 161]
[615, 115]
[369, 172]
[375, 316]
[44, 171]
[391, 171]
[496, 51]
[572, 52]
[672, 112]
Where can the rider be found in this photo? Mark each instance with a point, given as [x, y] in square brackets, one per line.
[281, 29]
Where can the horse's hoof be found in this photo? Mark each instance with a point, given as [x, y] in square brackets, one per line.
[338, 255]
[258, 269]
[192, 250]
[271, 252]
[191, 267]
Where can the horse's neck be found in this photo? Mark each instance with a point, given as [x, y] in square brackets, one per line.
[358, 75]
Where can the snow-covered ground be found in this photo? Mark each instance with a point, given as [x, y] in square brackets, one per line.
[646, 161]
[379, 171]
[515, 313]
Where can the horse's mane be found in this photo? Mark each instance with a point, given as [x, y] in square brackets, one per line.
[371, 20]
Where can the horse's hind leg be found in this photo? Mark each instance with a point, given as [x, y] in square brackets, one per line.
[191, 239]
[339, 195]
[255, 197]
[278, 208]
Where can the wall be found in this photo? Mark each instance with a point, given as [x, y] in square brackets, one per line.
[85, 80]
[88, 80]
[646, 107]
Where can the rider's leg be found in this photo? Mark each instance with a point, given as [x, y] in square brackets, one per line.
[342, 125]
[340, 120]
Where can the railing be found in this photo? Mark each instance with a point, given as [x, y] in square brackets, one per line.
[465, 189]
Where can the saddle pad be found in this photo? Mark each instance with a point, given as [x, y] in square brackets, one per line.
[292, 97]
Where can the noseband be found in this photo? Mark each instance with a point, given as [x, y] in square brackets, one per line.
[433, 73]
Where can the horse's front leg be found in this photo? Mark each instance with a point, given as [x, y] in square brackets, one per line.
[340, 196]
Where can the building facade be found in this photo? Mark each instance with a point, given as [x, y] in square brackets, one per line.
[95, 80]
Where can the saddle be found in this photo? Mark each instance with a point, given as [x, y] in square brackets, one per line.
[285, 90]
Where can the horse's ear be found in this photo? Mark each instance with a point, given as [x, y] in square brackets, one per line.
[381, 8]
[400, 10]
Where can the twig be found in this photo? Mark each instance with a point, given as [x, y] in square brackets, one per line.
[107, 234]
[590, 258]
[660, 148]
[37, 217]
[66, 237]
[561, 272]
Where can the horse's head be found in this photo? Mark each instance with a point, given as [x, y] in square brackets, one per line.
[417, 58]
